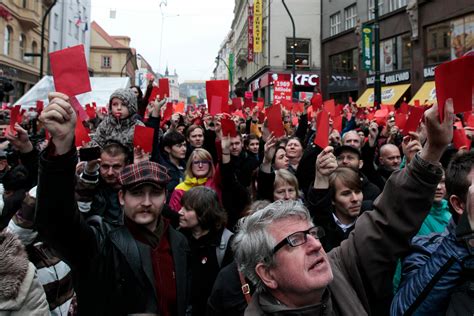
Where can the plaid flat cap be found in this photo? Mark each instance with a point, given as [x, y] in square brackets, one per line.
[144, 172]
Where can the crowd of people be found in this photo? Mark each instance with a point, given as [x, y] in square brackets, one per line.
[376, 223]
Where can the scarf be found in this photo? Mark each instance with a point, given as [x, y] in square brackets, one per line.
[189, 183]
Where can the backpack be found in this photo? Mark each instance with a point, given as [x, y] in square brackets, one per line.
[221, 249]
[462, 299]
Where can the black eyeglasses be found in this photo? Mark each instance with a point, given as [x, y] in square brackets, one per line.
[299, 238]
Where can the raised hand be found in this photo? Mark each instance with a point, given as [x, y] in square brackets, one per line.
[373, 133]
[59, 119]
[439, 135]
[326, 163]
[20, 141]
[411, 145]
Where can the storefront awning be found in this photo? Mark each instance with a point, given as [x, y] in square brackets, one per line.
[390, 95]
[426, 94]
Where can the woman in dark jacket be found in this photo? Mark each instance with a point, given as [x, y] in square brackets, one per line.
[202, 221]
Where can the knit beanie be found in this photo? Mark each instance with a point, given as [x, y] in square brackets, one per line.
[128, 98]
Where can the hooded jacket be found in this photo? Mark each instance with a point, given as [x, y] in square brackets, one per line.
[115, 129]
[20, 291]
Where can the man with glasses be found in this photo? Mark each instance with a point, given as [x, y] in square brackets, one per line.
[279, 250]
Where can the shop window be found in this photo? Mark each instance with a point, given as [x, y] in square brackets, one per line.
[106, 62]
[302, 52]
[34, 49]
[335, 23]
[395, 53]
[344, 65]
[372, 8]
[22, 44]
[7, 40]
[350, 17]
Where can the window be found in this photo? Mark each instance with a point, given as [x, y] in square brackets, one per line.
[83, 40]
[302, 52]
[335, 22]
[350, 17]
[106, 62]
[55, 46]
[7, 40]
[22, 44]
[395, 53]
[345, 64]
[34, 50]
[372, 8]
[56, 21]
[396, 4]
[25, 4]
[76, 33]
[69, 27]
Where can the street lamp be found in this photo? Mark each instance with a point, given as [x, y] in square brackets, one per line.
[43, 24]
[228, 69]
[293, 46]
[377, 83]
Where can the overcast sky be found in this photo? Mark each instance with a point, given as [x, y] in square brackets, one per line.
[192, 31]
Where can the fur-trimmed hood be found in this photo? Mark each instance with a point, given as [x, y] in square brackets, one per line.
[13, 265]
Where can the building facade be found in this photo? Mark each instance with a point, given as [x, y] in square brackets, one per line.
[20, 25]
[111, 56]
[70, 25]
[415, 36]
[174, 84]
[256, 71]
[192, 92]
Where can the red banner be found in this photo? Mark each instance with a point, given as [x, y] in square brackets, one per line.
[250, 34]
[282, 92]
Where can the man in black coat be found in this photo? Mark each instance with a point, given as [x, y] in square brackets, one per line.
[139, 267]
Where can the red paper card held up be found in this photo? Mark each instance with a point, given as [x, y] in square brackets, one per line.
[454, 80]
[414, 118]
[228, 127]
[236, 104]
[39, 106]
[70, 73]
[14, 117]
[330, 107]
[155, 91]
[164, 86]
[215, 107]
[316, 101]
[81, 134]
[219, 88]
[275, 123]
[337, 123]
[400, 120]
[143, 138]
[460, 139]
[322, 129]
[404, 108]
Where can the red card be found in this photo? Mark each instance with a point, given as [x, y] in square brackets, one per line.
[70, 73]
[164, 86]
[228, 127]
[236, 104]
[248, 103]
[330, 107]
[90, 111]
[143, 138]
[218, 88]
[322, 129]
[388, 107]
[149, 76]
[81, 134]
[417, 103]
[179, 107]
[259, 104]
[167, 113]
[316, 101]
[14, 117]
[155, 91]
[454, 80]
[298, 107]
[414, 118]
[261, 117]
[337, 123]
[381, 116]
[404, 108]
[39, 106]
[275, 123]
[215, 107]
[339, 109]
[460, 139]
[400, 120]
[303, 96]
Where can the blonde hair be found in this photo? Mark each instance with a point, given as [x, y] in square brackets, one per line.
[283, 176]
[201, 154]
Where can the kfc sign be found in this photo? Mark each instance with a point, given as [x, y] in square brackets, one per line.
[306, 80]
